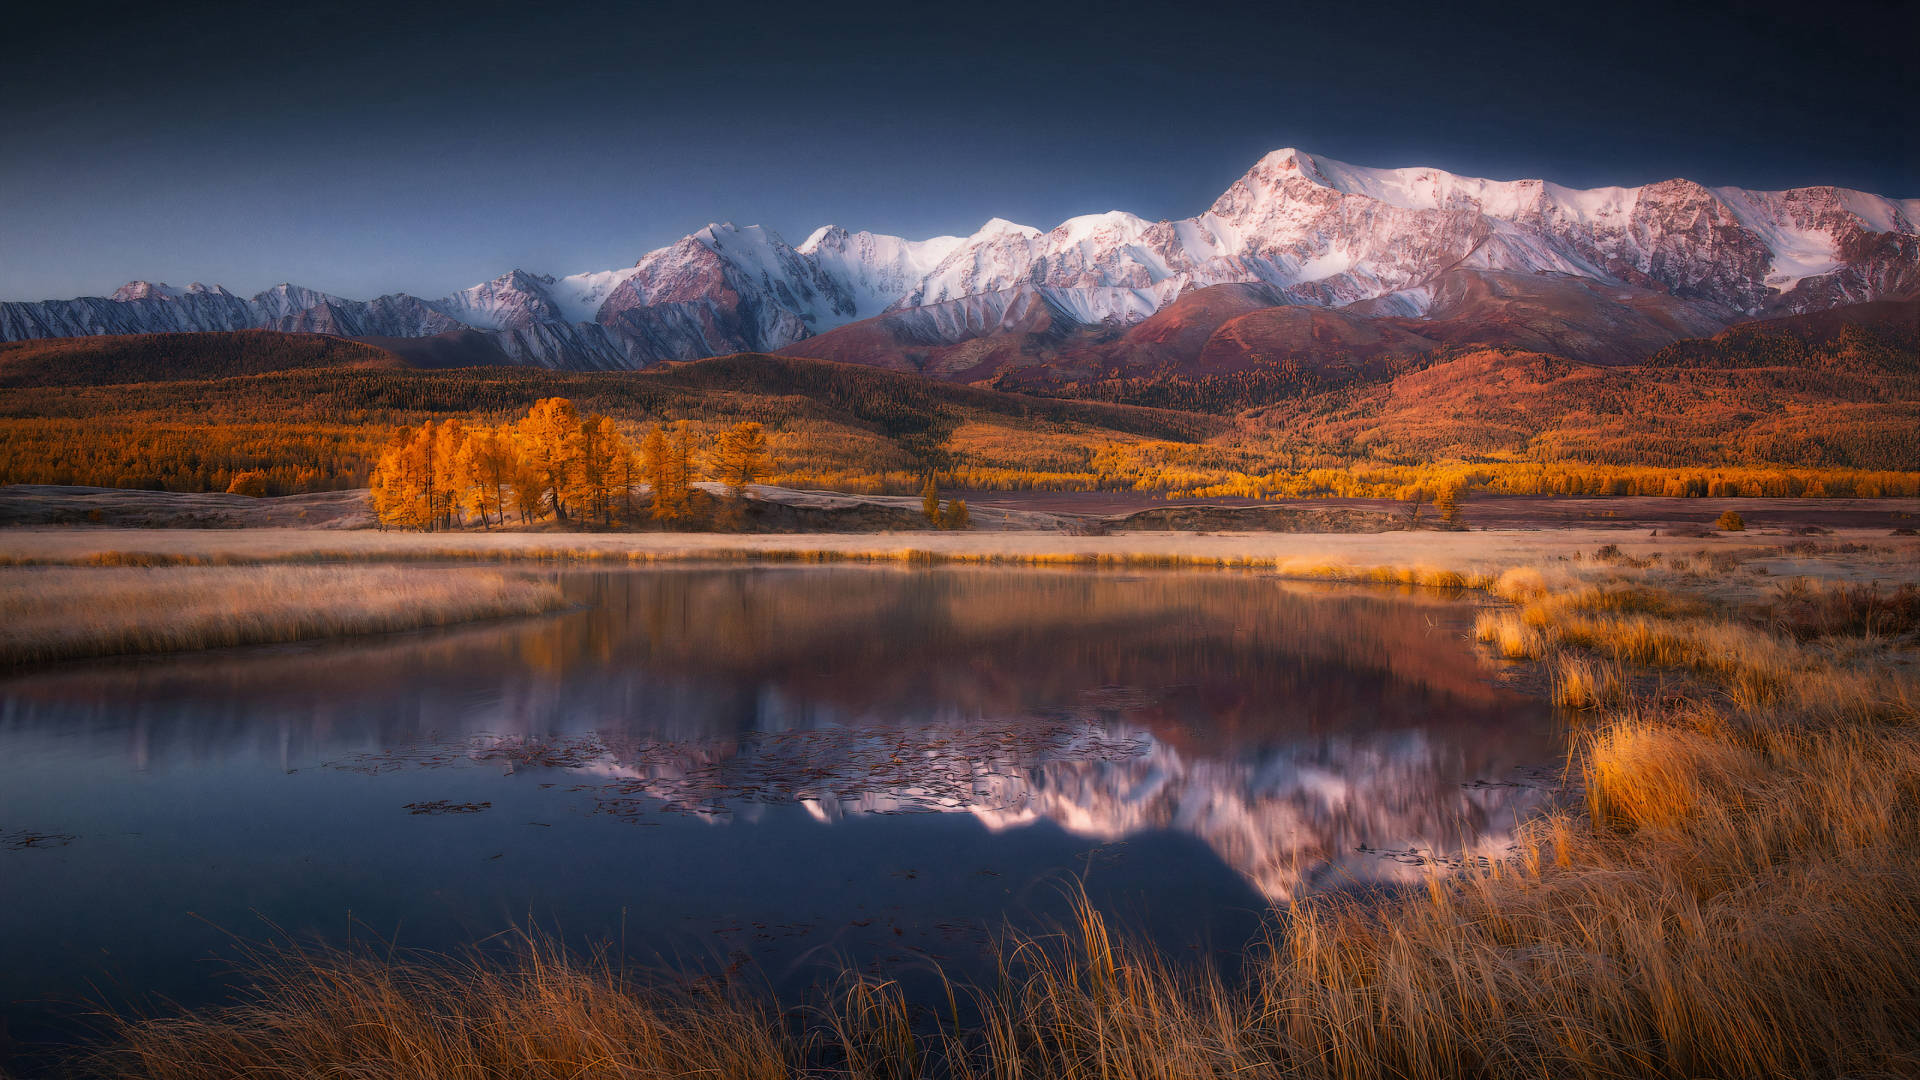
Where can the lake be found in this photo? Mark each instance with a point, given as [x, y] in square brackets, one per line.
[775, 770]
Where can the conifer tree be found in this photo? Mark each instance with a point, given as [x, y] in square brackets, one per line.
[487, 467]
[548, 440]
[597, 447]
[402, 481]
[446, 445]
[741, 455]
[627, 473]
[658, 461]
[680, 457]
[740, 458]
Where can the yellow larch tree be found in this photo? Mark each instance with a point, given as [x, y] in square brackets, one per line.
[741, 457]
[597, 447]
[547, 441]
[402, 480]
[446, 446]
[656, 461]
[486, 467]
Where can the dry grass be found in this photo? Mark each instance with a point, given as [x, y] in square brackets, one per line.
[544, 1013]
[1807, 609]
[1509, 636]
[1735, 893]
[59, 614]
[1581, 683]
[1472, 554]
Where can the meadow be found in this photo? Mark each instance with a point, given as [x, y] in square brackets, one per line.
[1727, 885]
[1405, 557]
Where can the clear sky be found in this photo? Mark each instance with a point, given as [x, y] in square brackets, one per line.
[369, 148]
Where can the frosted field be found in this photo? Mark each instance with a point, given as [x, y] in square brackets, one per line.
[1305, 554]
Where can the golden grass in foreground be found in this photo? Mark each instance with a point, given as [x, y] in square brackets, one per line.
[1736, 895]
[547, 1014]
[58, 614]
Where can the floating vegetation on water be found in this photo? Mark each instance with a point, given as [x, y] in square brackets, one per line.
[1416, 856]
[442, 806]
[23, 839]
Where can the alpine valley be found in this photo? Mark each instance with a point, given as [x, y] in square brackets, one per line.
[1303, 260]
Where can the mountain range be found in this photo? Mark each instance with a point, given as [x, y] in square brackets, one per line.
[1302, 258]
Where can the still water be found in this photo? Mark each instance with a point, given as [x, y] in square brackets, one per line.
[788, 770]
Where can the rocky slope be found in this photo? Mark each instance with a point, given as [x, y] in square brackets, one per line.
[1599, 274]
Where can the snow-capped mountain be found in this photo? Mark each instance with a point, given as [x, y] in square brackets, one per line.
[1305, 230]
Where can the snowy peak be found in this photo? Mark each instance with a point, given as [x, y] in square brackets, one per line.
[512, 300]
[999, 227]
[284, 300]
[873, 269]
[160, 290]
[580, 297]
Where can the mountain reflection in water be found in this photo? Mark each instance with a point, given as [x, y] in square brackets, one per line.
[1285, 724]
[1291, 731]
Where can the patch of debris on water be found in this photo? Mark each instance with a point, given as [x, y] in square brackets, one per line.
[442, 806]
[27, 839]
[1444, 860]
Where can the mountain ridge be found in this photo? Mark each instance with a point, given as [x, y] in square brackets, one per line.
[1297, 229]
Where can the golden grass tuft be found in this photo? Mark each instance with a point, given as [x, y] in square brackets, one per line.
[60, 614]
[1581, 683]
[1520, 584]
[1643, 775]
[1510, 636]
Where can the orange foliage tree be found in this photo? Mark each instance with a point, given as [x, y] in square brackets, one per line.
[442, 474]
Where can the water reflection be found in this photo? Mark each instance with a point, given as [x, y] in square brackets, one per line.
[1288, 727]
[793, 767]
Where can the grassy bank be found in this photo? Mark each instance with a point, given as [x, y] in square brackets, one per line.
[1730, 888]
[62, 613]
[1477, 556]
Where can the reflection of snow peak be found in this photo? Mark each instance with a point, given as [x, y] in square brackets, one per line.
[1291, 819]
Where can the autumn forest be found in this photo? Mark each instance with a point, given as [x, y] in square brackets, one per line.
[266, 414]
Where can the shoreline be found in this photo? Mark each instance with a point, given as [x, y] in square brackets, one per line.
[803, 511]
[1305, 554]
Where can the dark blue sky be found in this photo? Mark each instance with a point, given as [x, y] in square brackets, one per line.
[369, 148]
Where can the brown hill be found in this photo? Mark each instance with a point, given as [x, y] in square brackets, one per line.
[965, 340]
[137, 358]
[454, 349]
[1880, 336]
[1491, 404]
[1555, 313]
[1020, 341]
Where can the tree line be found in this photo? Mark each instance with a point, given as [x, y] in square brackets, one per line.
[557, 463]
